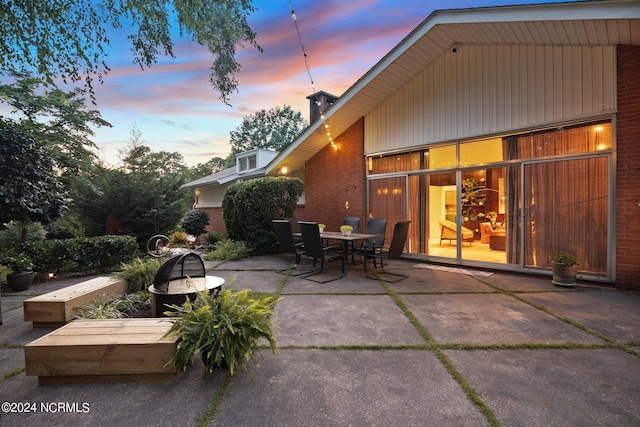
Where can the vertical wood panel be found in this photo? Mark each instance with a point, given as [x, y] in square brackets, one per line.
[486, 89]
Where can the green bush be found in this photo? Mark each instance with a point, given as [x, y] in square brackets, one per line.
[228, 250]
[212, 237]
[178, 238]
[250, 206]
[81, 254]
[195, 221]
[10, 235]
[139, 273]
[224, 329]
[119, 308]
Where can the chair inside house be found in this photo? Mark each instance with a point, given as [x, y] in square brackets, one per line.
[287, 243]
[448, 232]
[354, 222]
[393, 250]
[313, 248]
[485, 232]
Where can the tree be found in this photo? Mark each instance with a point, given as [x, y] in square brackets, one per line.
[29, 189]
[216, 164]
[141, 198]
[195, 221]
[273, 129]
[68, 38]
[58, 121]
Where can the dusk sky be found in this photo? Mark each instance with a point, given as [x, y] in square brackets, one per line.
[176, 109]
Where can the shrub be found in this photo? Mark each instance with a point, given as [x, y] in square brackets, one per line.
[139, 273]
[10, 236]
[178, 238]
[224, 329]
[81, 254]
[250, 206]
[116, 309]
[228, 250]
[195, 221]
[212, 237]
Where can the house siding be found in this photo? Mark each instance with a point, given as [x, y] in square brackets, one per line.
[628, 168]
[334, 177]
[491, 89]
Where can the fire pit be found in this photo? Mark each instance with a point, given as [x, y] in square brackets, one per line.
[179, 278]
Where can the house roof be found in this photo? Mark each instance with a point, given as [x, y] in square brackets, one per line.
[214, 179]
[590, 23]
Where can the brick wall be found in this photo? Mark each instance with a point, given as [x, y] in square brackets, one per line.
[335, 177]
[628, 168]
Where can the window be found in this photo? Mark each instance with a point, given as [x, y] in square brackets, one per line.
[246, 163]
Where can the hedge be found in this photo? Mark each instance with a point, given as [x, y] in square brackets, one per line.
[81, 254]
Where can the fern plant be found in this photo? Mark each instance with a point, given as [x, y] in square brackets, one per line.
[224, 329]
[116, 309]
[139, 273]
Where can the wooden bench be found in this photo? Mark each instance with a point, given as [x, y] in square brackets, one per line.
[56, 308]
[108, 350]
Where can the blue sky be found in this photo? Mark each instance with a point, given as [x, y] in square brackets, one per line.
[176, 109]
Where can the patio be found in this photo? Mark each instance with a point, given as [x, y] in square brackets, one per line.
[437, 348]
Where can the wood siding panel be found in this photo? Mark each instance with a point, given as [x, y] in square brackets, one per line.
[490, 89]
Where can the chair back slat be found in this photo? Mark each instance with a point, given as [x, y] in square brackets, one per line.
[400, 232]
[376, 226]
[285, 236]
[353, 221]
[311, 239]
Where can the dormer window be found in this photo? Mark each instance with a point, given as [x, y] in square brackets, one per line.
[246, 163]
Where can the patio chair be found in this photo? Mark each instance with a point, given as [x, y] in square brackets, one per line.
[313, 248]
[353, 221]
[286, 242]
[374, 226]
[394, 250]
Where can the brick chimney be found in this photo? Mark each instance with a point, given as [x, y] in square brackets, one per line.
[318, 103]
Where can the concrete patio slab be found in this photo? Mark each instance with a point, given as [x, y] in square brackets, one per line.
[175, 404]
[331, 320]
[348, 388]
[263, 281]
[424, 280]
[610, 312]
[541, 388]
[490, 319]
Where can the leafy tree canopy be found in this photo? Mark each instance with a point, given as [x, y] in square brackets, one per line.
[68, 38]
[29, 189]
[216, 164]
[273, 129]
[58, 121]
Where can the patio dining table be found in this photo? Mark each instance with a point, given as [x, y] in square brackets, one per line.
[345, 239]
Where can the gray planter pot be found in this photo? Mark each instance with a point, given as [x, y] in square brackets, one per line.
[564, 275]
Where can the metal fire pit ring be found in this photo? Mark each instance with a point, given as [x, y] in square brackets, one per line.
[177, 291]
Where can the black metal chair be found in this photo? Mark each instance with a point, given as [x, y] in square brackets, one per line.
[354, 222]
[376, 226]
[313, 248]
[286, 241]
[394, 250]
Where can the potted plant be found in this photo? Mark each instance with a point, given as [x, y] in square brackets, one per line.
[565, 268]
[346, 229]
[224, 329]
[20, 264]
[321, 227]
